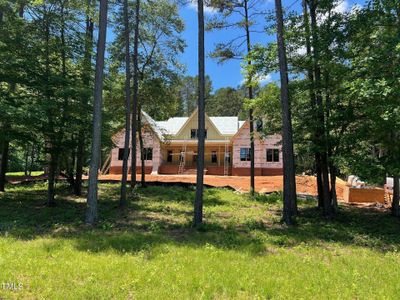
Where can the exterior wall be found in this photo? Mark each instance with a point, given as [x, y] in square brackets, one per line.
[242, 140]
[149, 141]
[212, 133]
[237, 168]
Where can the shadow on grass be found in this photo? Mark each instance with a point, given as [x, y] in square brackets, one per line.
[162, 216]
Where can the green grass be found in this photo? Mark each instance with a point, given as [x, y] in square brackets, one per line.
[21, 174]
[150, 250]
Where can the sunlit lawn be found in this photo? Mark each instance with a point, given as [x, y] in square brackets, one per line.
[150, 251]
[20, 174]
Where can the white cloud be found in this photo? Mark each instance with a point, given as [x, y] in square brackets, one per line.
[342, 7]
[207, 9]
[301, 51]
[262, 79]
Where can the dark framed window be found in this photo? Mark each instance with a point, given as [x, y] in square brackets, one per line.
[169, 157]
[148, 153]
[245, 154]
[194, 133]
[272, 155]
[121, 153]
[214, 157]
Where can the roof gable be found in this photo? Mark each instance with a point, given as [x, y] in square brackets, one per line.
[189, 122]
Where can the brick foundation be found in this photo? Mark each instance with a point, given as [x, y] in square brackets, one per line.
[118, 170]
[211, 170]
[168, 169]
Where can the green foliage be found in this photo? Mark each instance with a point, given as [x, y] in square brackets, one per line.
[226, 102]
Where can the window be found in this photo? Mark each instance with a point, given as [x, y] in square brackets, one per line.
[169, 157]
[214, 158]
[121, 153]
[194, 133]
[148, 153]
[272, 155]
[245, 154]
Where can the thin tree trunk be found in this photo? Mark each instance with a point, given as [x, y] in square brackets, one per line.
[32, 160]
[310, 75]
[70, 169]
[52, 176]
[87, 69]
[327, 207]
[141, 146]
[91, 211]
[79, 164]
[198, 203]
[122, 201]
[396, 197]
[135, 94]
[251, 96]
[4, 164]
[26, 161]
[51, 147]
[289, 184]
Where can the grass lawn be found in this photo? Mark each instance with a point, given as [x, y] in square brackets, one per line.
[150, 251]
[21, 174]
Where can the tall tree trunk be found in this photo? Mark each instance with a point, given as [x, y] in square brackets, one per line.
[122, 201]
[79, 164]
[91, 210]
[70, 161]
[52, 177]
[198, 203]
[50, 143]
[396, 196]
[135, 94]
[310, 75]
[320, 130]
[251, 96]
[87, 70]
[26, 161]
[32, 160]
[331, 165]
[141, 146]
[4, 163]
[289, 177]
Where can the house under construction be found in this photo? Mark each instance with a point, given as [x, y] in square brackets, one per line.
[170, 147]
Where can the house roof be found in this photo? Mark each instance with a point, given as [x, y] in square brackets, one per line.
[172, 125]
[225, 125]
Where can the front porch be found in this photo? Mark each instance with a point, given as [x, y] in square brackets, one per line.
[182, 159]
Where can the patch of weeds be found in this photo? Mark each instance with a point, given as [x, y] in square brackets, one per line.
[254, 224]
[272, 198]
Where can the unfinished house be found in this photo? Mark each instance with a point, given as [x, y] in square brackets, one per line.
[170, 147]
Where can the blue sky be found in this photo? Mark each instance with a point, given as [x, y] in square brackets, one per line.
[229, 73]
